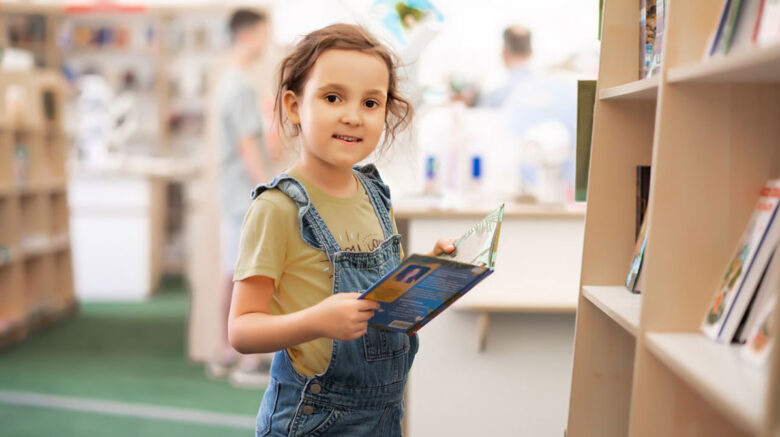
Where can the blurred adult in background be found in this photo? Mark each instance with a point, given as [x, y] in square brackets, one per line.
[540, 113]
[244, 161]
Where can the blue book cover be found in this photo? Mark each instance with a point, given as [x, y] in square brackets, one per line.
[423, 286]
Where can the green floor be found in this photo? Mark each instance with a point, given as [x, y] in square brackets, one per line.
[132, 353]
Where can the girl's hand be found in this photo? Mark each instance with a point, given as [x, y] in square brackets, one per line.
[343, 316]
[444, 245]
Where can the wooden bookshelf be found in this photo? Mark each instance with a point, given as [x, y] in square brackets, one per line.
[717, 372]
[643, 89]
[622, 307]
[36, 276]
[752, 65]
[709, 128]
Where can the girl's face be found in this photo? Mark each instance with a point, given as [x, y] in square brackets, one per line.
[341, 111]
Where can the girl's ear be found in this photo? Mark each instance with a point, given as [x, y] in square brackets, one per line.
[291, 107]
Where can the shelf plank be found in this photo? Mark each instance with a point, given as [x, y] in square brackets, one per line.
[644, 89]
[618, 303]
[717, 372]
[752, 65]
[54, 244]
[516, 303]
[43, 187]
[425, 207]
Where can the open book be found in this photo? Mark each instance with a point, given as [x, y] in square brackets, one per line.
[423, 286]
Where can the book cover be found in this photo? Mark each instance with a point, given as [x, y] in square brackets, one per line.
[650, 28]
[746, 24]
[759, 343]
[635, 270]
[586, 99]
[642, 38]
[763, 296]
[725, 312]
[716, 38]
[423, 286]
[769, 29]
[757, 25]
[642, 194]
[655, 62]
[731, 25]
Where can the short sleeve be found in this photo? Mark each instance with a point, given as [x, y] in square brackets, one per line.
[245, 113]
[263, 246]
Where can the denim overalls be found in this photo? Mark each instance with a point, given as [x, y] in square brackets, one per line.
[361, 392]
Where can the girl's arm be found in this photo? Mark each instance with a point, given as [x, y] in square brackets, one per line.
[253, 329]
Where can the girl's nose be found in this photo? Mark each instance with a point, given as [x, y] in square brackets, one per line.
[351, 116]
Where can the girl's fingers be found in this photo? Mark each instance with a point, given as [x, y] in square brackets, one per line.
[445, 245]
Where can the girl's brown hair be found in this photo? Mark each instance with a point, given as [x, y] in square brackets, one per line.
[294, 71]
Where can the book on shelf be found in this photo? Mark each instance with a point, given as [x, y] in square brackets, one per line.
[634, 278]
[642, 194]
[642, 39]
[760, 340]
[717, 36]
[768, 23]
[655, 61]
[586, 100]
[727, 37]
[764, 295]
[652, 14]
[744, 24]
[423, 286]
[739, 283]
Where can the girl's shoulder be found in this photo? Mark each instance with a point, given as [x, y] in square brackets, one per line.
[273, 202]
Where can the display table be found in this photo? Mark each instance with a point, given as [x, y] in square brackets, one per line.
[511, 378]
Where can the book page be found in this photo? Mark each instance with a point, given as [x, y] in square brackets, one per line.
[479, 244]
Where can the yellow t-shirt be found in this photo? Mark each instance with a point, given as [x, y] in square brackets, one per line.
[271, 245]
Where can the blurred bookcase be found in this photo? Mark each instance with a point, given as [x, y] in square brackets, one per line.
[36, 274]
[168, 51]
[710, 129]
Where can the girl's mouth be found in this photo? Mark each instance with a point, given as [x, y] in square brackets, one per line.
[347, 138]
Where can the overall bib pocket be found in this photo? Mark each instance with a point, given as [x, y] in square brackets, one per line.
[312, 420]
[384, 345]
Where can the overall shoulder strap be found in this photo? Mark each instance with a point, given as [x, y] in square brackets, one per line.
[378, 193]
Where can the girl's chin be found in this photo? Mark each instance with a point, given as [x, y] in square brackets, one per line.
[349, 160]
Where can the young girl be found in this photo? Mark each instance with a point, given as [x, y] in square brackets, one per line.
[319, 234]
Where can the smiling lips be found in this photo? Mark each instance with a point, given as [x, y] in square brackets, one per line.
[347, 138]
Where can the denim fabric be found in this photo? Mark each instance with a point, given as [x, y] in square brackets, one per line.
[361, 392]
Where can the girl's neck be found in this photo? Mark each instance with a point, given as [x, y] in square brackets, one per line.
[335, 181]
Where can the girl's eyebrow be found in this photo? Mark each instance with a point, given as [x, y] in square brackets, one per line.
[332, 86]
[343, 89]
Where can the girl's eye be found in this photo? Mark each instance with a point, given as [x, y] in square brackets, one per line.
[371, 104]
[332, 98]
